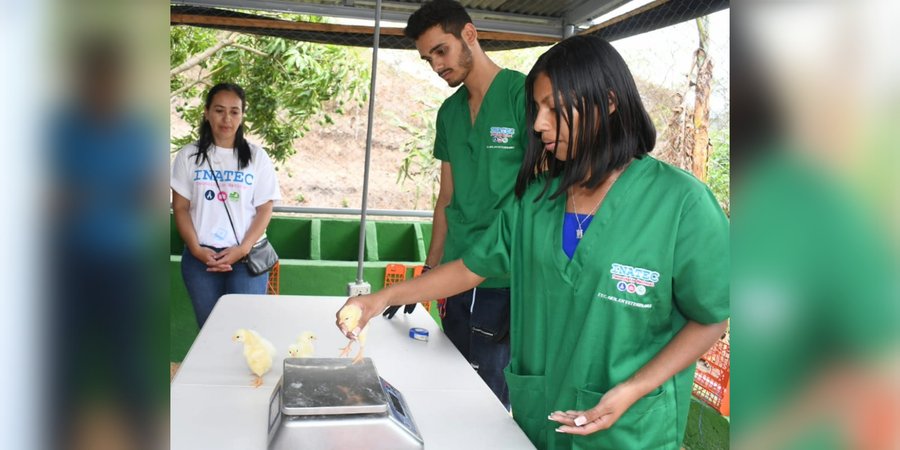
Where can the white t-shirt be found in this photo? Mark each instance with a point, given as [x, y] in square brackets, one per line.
[241, 189]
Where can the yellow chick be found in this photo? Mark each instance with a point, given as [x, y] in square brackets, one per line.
[258, 352]
[349, 316]
[303, 348]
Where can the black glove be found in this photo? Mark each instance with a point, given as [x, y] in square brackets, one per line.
[391, 310]
[408, 309]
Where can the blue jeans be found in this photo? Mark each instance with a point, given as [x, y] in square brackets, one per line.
[205, 288]
[481, 333]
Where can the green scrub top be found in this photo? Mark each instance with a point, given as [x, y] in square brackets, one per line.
[656, 254]
[484, 157]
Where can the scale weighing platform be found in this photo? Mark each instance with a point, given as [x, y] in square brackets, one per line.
[332, 403]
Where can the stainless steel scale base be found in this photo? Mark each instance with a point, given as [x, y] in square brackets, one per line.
[329, 403]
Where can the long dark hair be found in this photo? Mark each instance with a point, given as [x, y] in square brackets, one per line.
[586, 74]
[206, 134]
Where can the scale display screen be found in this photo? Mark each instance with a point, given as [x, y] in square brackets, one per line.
[399, 408]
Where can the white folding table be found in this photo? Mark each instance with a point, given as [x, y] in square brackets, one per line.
[214, 406]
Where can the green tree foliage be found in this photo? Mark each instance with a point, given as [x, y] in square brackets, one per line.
[419, 165]
[521, 59]
[719, 168]
[287, 82]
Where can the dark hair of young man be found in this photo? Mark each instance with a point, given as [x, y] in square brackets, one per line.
[450, 15]
[206, 134]
[586, 74]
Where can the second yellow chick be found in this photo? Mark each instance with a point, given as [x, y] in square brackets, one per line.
[303, 348]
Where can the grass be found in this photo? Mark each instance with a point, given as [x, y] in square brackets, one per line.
[706, 429]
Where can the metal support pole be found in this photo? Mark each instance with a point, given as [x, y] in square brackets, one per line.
[360, 287]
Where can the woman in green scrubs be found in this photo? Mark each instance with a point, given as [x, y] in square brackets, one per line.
[619, 265]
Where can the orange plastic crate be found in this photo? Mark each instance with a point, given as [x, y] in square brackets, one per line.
[416, 272]
[711, 379]
[273, 287]
[394, 273]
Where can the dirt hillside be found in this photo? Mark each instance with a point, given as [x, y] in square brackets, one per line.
[327, 170]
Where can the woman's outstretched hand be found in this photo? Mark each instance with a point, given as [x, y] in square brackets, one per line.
[611, 406]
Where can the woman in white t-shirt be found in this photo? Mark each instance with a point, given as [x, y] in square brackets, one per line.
[221, 170]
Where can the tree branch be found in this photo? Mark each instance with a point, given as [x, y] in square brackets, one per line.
[202, 80]
[186, 87]
[250, 49]
[199, 58]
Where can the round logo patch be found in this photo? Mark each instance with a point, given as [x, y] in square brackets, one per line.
[621, 286]
[222, 196]
[640, 290]
[209, 194]
[630, 288]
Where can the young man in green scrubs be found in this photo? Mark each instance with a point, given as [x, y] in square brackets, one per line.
[610, 311]
[480, 140]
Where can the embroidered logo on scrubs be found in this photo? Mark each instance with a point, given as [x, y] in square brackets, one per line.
[631, 288]
[234, 196]
[624, 301]
[209, 194]
[502, 135]
[222, 196]
[633, 280]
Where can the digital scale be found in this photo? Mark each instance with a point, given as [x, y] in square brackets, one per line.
[330, 403]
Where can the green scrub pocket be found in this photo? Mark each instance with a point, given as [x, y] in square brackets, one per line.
[526, 397]
[648, 424]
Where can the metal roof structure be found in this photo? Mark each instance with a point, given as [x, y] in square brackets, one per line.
[502, 24]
